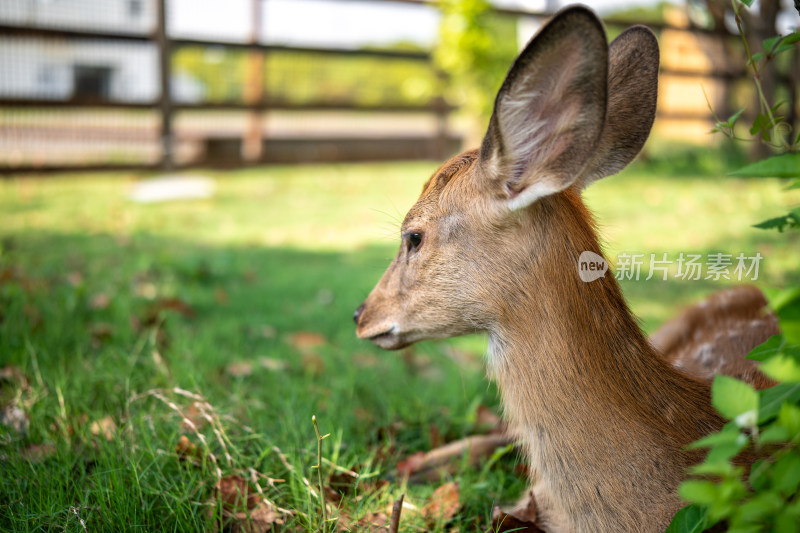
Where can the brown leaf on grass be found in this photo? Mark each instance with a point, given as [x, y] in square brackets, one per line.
[239, 369]
[268, 332]
[221, 296]
[36, 453]
[15, 418]
[374, 522]
[101, 332]
[306, 341]
[344, 482]
[273, 364]
[188, 451]
[365, 360]
[432, 465]
[7, 275]
[521, 518]
[156, 309]
[411, 464]
[104, 427]
[243, 510]
[436, 437]
[75, 278]
[488, 421]
[443, 504]
[99, 301]
[13, 376]
[312, 363]
[235, 493]
[193, 418]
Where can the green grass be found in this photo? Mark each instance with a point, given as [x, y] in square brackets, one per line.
[277, 251]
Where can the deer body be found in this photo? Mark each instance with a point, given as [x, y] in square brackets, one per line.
[493, 244]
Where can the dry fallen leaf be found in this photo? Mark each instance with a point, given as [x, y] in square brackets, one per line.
[221, 296]
[243, 510]
[487, 421]
[104, 427]
[312, 363]
[365, 360]
[100, 301]
[373, 522]
[36, 453]
[188, 451]
[273, 364]
[101, 331]
[521, 518]
[15, 418]
[305, 341]
[11, 375]
[239, 369]
[432, 465]
[193, 418]
[75, 278]
[443, 504]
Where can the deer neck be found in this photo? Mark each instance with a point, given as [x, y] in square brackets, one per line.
[594, 405]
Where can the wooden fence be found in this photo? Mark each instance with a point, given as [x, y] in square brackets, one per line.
[150, 124]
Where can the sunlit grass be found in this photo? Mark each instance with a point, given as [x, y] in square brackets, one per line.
[91, 293]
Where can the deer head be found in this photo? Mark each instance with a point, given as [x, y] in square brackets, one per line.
[570, 111]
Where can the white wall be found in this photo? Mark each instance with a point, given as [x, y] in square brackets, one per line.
[108, 15]
[44, 68]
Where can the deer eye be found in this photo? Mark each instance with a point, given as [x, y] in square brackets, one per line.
[414, 240]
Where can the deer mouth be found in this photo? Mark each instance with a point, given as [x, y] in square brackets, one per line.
[388, 340]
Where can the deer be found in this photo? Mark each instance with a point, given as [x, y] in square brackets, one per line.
[602, 414]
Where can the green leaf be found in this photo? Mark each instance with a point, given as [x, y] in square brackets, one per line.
[790, 220]
[772, 399]
[698, 491]
[795, 184]
[716, 468]
[748, 3]
[773, 434]
[771, 43]
[728, 435]
[690, 519]
[786, 474]
[779, 166]
[784, 368]
[760, 507]
[761, 125]
[759, 474]
[732, 397]
[789, 418]
[770, 347]
[778, 299]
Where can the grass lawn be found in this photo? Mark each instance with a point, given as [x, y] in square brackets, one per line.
[119, 322]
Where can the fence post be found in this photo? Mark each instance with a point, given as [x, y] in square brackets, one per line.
[254, 88]
[165, 73]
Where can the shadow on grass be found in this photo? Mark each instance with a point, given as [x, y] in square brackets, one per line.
[94, 320]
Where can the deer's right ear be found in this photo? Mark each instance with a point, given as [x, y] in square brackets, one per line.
[549, 112]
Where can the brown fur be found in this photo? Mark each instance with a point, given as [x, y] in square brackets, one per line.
[602, 417]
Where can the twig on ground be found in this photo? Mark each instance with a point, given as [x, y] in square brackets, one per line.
[397, 508]
[318, 467]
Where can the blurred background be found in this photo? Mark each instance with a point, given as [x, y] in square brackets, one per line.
[176, 83]
[198, 194]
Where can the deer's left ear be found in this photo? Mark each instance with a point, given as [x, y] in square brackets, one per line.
[631, 107]
[549, 112]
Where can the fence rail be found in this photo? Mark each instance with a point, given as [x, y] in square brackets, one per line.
[236, 133]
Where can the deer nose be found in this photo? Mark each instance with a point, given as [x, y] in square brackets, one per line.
[358, 313]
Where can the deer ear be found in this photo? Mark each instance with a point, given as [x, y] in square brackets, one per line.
[631, 108]
[549, 112]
